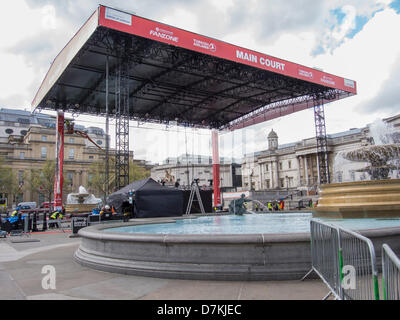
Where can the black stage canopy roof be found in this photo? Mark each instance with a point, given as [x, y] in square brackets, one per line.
[176, 75]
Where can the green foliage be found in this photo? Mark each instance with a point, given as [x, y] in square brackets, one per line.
[42, 180]
[97, 175]
[8, 181]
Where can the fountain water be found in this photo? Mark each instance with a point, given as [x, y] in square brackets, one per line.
[81, 201]
[380, 196]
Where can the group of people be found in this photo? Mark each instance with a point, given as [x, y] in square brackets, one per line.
[275, 205]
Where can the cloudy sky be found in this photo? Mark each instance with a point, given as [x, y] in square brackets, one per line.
[355, 39]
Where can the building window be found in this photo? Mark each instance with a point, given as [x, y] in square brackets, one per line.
[71, 154]
[44, 152]
[44, 138]
[91, 157]
[266, 167]
[22, 155]
[9, 131]
[23, 132]
[99, 142]
[282, 181]
[70, 176]
[90, 177]
[268, 183]
[71, 140]
[280, 165]
[21, 177]
[290, 164]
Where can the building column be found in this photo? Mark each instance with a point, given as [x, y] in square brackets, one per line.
[306, 170]
[276, 174]
[299, 158]
[319, 175]
[271, 177]
[261, 176]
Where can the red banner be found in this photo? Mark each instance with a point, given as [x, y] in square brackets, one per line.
[58, 183]
[216, 168]
[139, 26]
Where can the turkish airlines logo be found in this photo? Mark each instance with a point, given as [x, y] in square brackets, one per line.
[205, 45]
[164, 34]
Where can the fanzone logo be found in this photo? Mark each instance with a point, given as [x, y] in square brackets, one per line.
[205, 45]
[328, 80]
[164, 34]
[307, 74]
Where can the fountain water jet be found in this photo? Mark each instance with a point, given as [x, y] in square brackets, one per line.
[379, 197]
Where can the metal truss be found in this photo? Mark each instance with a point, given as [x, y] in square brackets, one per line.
[184, 86]
[322, 143]
[121, 126]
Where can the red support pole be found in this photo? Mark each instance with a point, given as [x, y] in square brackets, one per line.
[58, 183]
[215, 161]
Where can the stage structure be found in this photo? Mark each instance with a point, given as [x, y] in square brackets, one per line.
[132, 68]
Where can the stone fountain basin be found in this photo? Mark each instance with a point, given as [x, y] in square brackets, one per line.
[240, 257]
[359, 199]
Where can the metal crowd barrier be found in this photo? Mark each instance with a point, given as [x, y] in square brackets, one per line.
[357, 258]
[325, 255]
[390, 274]
[345, 261]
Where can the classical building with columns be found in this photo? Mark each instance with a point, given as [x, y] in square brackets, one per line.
[294, 166]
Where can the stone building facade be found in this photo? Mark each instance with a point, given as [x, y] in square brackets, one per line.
[187, 168]
[28, 140]
[294, 166]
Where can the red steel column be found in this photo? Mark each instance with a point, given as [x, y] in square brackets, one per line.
[215, 161]
[58, 183]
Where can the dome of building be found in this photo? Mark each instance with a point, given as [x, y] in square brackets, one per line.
[272, 134]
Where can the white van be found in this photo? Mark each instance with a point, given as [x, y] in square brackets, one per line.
[27, 205]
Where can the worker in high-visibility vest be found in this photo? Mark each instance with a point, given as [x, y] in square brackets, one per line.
[15, 212]
[55, 216]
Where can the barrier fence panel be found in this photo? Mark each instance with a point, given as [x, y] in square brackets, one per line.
[325, 254]
[390, 274]
[345, 261]
[359, 275]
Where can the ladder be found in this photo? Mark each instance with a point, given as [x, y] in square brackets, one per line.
[194, 189]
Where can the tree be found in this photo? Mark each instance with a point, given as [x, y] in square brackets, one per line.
[97, 175]
[8, 182]
[42, 180]
[137, 172]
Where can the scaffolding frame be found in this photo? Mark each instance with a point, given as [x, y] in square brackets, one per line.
[121, 125]
[322, 142]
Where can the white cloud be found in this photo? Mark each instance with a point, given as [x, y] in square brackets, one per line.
[288, 30]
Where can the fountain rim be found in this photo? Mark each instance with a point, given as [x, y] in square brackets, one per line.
[363, 182]
[97, 232]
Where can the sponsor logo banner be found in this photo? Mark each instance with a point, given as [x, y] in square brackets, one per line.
[164, 34]
[349, 83]
[188, 40]
[328, 80]
[306, 74]
[118, 16]
[205, 45]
